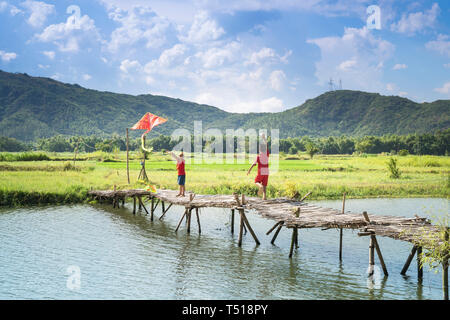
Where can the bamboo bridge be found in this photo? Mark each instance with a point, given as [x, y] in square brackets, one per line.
[293, 214]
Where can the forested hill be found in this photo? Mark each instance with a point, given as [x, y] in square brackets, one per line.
[34, 107]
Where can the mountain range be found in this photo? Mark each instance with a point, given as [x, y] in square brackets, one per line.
[36, 107]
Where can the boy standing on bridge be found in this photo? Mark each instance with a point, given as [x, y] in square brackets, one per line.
[262, 160]
[181, 173]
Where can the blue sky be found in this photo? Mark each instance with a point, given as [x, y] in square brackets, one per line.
[238, 55]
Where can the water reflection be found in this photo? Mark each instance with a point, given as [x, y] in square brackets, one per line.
[122, 255]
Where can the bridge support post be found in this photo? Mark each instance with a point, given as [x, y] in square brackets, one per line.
[165, 211]
[198, 221]
[276, 233]
[408, 261]
[419, 265]
[445, 271]
[232, 221]
[341, 233]
[374, 245]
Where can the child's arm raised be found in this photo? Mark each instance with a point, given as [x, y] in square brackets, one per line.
[174, 156]
[249, 170]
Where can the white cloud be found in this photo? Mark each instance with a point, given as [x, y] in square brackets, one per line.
[128, 66]
[137, 24]
[446, 65]
[416, 22]
[166, 60]
[41, 66]
[13, 10]
[277, 79]
[49, 54]
[57, 76]
[400, 66]
[216, 57]
[267, 56]
[445, 89]
[203, 29]
[69, 35]
[7, 56]
[357, 58]
[86, 77]
[440, 45]
[347, 65]
[38, 12]
[391, 87]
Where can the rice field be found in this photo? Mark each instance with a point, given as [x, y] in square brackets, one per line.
[62, 180]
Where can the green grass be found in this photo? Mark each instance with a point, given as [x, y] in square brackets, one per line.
[32, 182]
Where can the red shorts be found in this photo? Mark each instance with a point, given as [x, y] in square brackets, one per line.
[262, 179]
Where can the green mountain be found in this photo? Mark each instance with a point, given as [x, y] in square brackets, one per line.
[35, 107]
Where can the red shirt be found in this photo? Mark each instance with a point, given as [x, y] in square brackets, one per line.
[263, 164]
[180, 168]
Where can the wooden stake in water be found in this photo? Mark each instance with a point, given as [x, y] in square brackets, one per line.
[341, 230]
[128, 169]
[445, 271]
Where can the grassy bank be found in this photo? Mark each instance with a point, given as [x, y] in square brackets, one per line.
[47, 181]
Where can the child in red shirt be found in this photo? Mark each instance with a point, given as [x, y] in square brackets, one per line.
[262, 160]
[181, 173]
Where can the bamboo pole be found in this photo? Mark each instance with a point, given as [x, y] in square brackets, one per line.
[292, 243]
[248, 226]
[380, 256]
[189, 220]
[241, 229]
[181, 220]
[232, 221]
[341, 230]
[276, 233]
[274, 227]
[128, 168]
[165, 211]
[198, 221]
[374, 243]
[408, 261]
[163, 206]
[371, 256]
[419, 267]
[152, 205]
[134, 204]
[305, 196]
[445, 271]
[146, 211]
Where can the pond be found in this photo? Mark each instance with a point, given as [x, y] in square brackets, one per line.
[117, 255]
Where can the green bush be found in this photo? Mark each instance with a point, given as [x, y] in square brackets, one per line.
[393, 169]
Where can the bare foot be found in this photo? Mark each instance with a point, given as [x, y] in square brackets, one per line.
[260, 190]
[182, 195]
[178, 195]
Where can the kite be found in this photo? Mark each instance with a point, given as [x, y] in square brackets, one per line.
[147, 122]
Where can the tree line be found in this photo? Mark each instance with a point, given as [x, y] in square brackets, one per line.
[437, 143]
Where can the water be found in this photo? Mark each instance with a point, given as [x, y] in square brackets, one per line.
[121, 256]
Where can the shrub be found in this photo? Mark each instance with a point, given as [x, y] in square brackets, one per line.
[393, 169]
[403, 152]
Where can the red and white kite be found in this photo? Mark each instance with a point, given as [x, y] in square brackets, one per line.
[147, 122]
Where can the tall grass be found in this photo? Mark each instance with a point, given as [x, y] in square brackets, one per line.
[26, 156]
